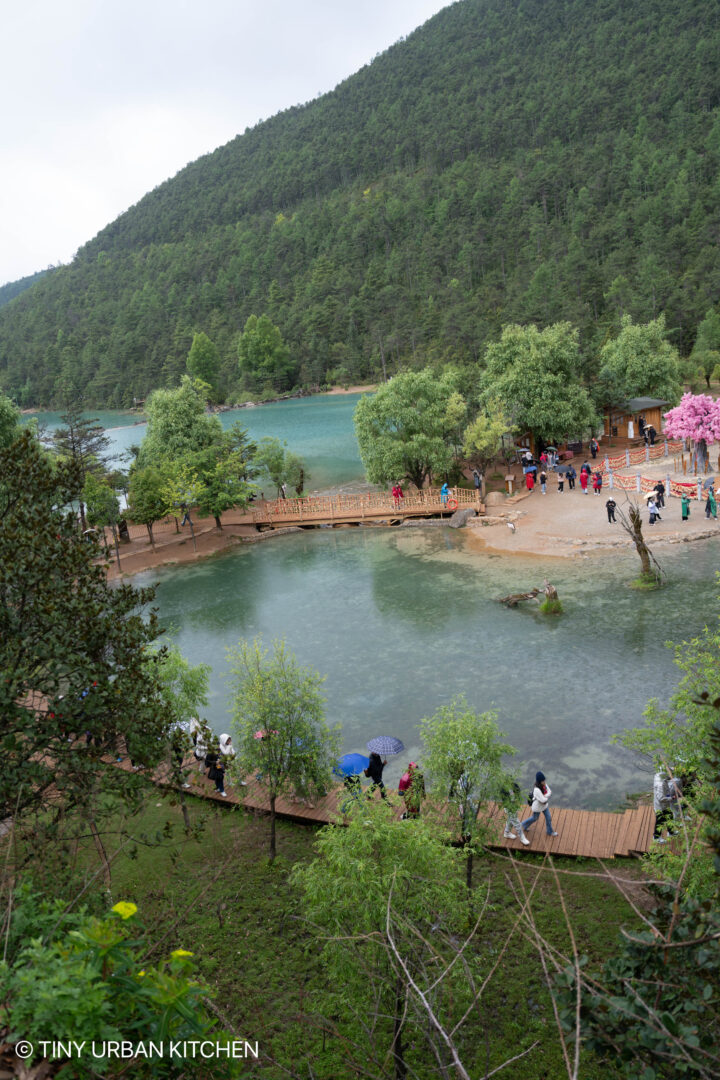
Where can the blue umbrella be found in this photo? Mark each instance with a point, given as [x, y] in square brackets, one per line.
[351, 765]
[385, 745]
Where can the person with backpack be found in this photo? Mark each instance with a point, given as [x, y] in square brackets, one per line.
[216, 771]
[539, 799]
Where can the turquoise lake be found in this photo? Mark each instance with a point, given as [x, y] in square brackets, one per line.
[402, 620]
[318, 428]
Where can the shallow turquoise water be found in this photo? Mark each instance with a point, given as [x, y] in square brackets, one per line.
[318, 428]
[402, 620]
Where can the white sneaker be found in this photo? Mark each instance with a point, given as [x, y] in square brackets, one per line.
[524, 839]
[510, 835]
[224, 794]
[186, 785]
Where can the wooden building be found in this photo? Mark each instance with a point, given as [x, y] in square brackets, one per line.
[623, 420]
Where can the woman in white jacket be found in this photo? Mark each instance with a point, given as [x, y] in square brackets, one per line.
[541, 797]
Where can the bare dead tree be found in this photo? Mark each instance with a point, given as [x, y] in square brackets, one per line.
[631, 522]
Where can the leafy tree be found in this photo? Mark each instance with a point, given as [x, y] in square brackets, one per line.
[180, 492]
[147, 503]
[203, 362]
[224, 471]
[279, 724]
[84, 442]
[264, 358]
[483, 437]
[178, 424]
[88, 978]
[103, 507]
[410, 427]
[641, 362]
[281, 465]
[464, 753]
[706, 351]
[73, 651]
[9, 421]
[361, 875]
[534, 376]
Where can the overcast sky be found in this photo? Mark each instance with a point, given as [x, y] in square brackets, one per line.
[102, 100]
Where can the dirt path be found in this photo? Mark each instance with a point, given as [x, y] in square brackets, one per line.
[572, 523]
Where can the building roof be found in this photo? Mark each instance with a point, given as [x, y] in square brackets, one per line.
[638, 404]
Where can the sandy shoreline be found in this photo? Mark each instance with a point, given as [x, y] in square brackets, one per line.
[555, 525]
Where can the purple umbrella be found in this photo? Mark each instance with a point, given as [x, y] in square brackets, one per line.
[385, 745]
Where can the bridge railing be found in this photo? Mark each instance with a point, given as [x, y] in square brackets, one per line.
[359, 506]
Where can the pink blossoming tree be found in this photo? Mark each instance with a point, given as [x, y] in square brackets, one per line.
[697, 417]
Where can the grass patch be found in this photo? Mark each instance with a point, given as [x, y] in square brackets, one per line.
[213, 892]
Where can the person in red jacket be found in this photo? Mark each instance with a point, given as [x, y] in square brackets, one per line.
[597, 483]
[584, 481]
[530, 480]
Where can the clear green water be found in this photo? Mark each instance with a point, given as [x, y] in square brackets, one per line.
[318, 428]
[401, 620]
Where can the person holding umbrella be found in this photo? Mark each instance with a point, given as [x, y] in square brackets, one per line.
[571, 477]
[710, 504]
[374, 771]
[348, 768]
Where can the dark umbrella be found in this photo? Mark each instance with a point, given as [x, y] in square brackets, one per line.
[710, 482]
[351, 765]
[562, 468]
[385, 745]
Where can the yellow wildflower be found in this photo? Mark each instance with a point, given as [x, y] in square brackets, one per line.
[180, 952]
[124, 909]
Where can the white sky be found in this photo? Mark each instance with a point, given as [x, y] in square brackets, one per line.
[105, 99]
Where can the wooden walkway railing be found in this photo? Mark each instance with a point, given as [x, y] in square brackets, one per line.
[321, 509]
[581, 833]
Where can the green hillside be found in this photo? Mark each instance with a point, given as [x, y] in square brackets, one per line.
[510, 161]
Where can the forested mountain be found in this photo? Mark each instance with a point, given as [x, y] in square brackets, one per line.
[12, 289]
[510, 161]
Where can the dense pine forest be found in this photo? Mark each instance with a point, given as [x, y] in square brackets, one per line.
[511, 161]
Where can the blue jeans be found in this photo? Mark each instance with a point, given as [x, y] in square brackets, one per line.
[533, 818]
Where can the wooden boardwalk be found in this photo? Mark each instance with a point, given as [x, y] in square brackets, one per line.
[356, 509]
[581, 833]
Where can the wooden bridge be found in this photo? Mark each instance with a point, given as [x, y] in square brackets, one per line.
[370, 506]
[581, 833]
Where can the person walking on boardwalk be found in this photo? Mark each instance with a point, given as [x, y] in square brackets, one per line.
[685, 507]
[510, 800]
[611, 506]
[415, 792]
[444, 494]
[584, 481]
[597, 483]
[477, 481]
[375, 772]
[571, 478]
[540, 799]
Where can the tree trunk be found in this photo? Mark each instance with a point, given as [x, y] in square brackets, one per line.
[150, 534]
[273, 849]
[398, 1049]
[639, 541]
[469, 868]
[185, 814]
[117, 546]
[217, 521]
[192, 533]
[102, 853]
